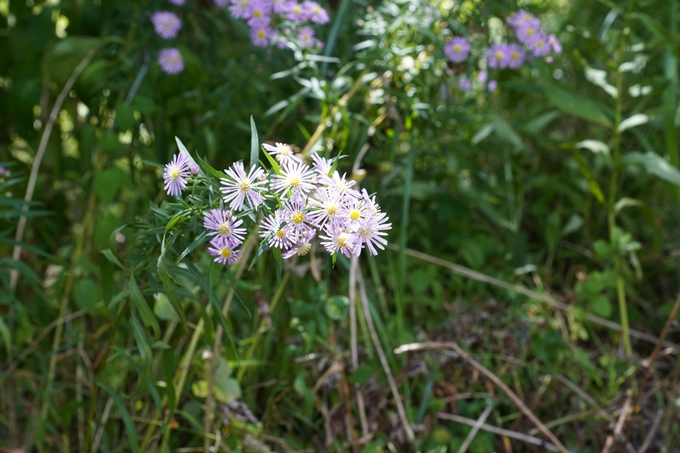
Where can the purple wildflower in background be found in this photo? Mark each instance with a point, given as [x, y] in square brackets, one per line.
[464, 84]
[261, 36]
[522, 18]
[240, 9]
[306, 37]
[178, 2]
[171, 61]
[166, 24]
[278, 6]
[223, 250]
[175, 175]
[497, 56]
[492, 85]
[555, 44]
[527, 33]
[295, 12]
[315, 12]
[483, 76]
[458, 49]
[258, 14]
[539, 46]
[242, 188]
[515, 57]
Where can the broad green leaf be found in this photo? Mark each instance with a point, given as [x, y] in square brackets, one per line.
[601, 306]
[654, 164]
[162, 307]
[536, 125]
[577, 104]
[86, 294]
[482, 134]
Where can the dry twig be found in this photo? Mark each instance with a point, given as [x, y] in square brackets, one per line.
[492, 377]
[609, 443]
[475, 428]
[652, 432]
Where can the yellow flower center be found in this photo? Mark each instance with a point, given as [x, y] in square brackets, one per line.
[281, 233]
[316, 10]
[285, 150]
[499, 55]
[331, 209]
[539, 43]
[224, 228]
[364, 232]
[261, 34]
[354, 214]
[457, 48]
[298, 217]
[226, 253]
[514, 55]
[304, 249]
[342, 240]
[174, 173]
[257, 13]
[530, 31]
[244, 186]
[294, 181]
[297, 9]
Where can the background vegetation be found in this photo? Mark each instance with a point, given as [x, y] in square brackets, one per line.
[533, 254]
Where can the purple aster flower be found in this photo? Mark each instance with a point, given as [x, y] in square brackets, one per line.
[515, 56]
[555, 44]
[258, 14]
[194, 169]
[240, 9]
[223, 224]
[371, 232]
[295, 215]
[302, 247]
[339, 184]
[540, 46]
[171, 60]
[325, 204]
[483, 76]
[337, 239]
[352, 213]
[497, 56]
[175, 175]
[315, 12]
[522, 18]
[262, 36]
[223, 250]
[178, 2]
[242, 188]
[166, 24]
[464, 84]
[275, 228]
[492, 85]
[526, 33]
[294, 12]
[306, 37]
[282, 152]
[295, 176]
[458, 49]
[323, 166]
[278, 6]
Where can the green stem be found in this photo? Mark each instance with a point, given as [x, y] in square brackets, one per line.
[611, 211]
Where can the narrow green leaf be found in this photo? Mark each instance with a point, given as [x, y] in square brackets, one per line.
[198, 241]
[6, 337]
[260, 251]
[254, 143]
[143, 307]
[125, 415]
[585, 171]
[169, 288]
[278, 264]
[144, 347]
[275, 165]
[576, 104]
[655, 165]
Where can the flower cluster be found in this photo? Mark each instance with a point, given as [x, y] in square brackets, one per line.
[279, 22]
[300, 202]
[167, 26]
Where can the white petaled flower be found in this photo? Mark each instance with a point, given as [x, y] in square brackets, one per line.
[282, 152]
[325, 204]
[372, 208]
[338, 239]
[322, 165]
[340, 183]
[296, 177]
[371, 231]
[176, 174]
[242, 188]
[295, 214]
[224, 252]
[280, 234]
[352, 213]
[222, 224]
[303, 246]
